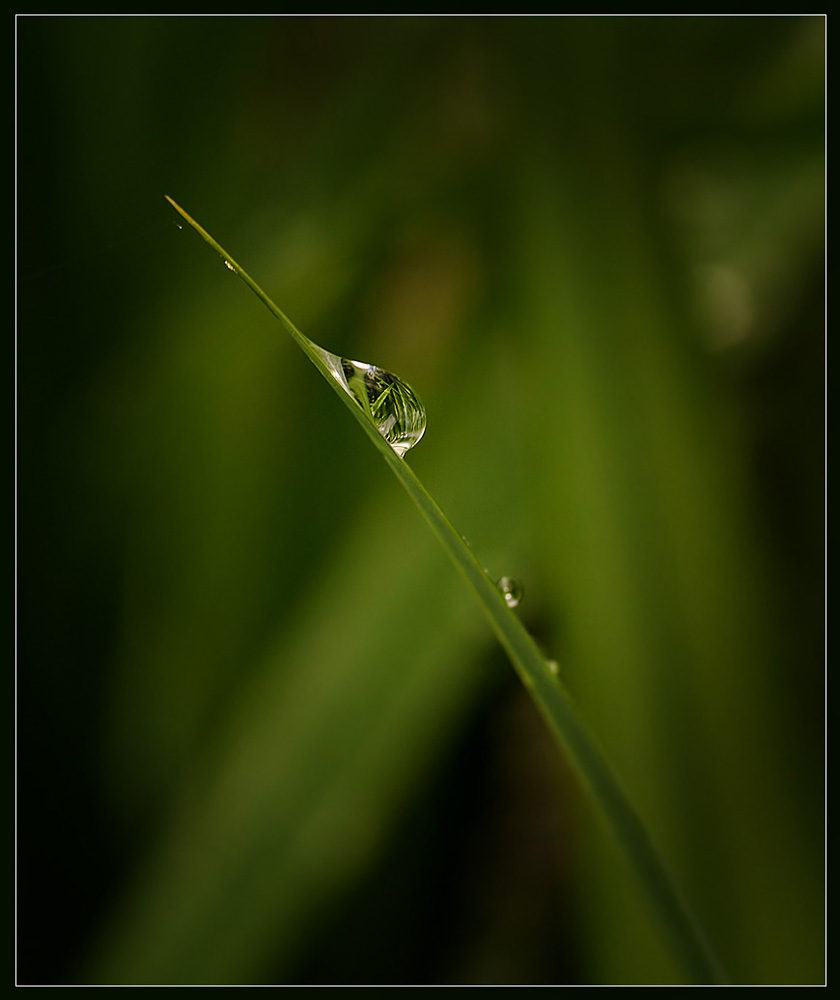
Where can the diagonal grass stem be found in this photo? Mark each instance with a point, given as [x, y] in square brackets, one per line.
[680, 927]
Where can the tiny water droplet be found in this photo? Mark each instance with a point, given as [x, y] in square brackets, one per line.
[391, 405]
[553, 666]
[512, 590]
[230, 266]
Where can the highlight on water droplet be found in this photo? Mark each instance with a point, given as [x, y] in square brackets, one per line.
[512, 590]
[230, 266]
[391, 405]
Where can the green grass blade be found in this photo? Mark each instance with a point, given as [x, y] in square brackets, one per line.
[686, 938]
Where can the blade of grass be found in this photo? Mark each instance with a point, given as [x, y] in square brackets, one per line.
[686, 937]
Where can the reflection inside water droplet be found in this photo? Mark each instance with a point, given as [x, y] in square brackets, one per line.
[512, 590]
[391, 405]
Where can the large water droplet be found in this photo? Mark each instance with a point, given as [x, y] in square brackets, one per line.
[512, 590]
[391, 405]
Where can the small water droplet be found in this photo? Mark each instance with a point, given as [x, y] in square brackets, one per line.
[512, 590]
[553, 666]
[391, 405]
[230, 266]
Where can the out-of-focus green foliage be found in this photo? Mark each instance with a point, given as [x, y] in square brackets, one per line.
[263, 735]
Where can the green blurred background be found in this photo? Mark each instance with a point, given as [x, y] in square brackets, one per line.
[264, 734]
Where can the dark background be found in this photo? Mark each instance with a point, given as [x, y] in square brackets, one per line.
[263, 734]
